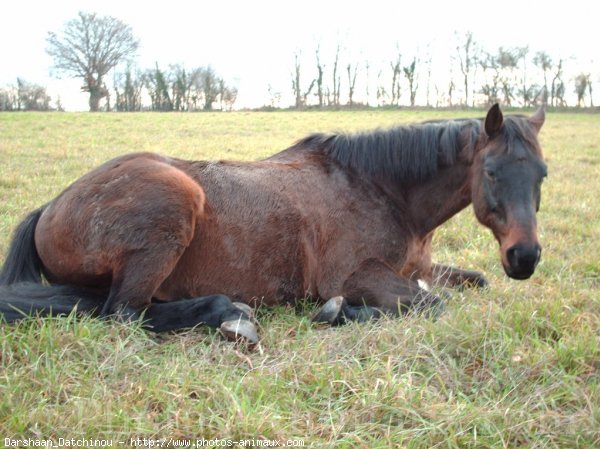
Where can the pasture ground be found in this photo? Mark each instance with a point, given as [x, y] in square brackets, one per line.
[516, 365]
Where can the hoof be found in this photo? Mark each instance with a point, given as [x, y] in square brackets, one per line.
[249, 311]
[480, 282]
[242, 331]
[331, 312]
[474, 279]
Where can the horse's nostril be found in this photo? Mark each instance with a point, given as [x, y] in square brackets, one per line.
[523, 256]
[512, 255]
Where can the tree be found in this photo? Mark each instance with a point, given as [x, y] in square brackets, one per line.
[428, 62]
[557, 92]
[32, 97]
[381, 92]
[9, 99]
[367, 67]
[410, 73]
[88, 47]
[320, 70]
[526, 91]
[182, 83]
[227, 95]
[467, 57]
[155, 82]
[128, 91]
[396, 71]
[352, 73]
[490, 88]
[582, 85]
[507, 59]
[543, 61]
[296, 86]
[208, 85]
[336, 78]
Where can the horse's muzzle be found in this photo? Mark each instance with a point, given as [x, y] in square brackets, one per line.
[522, 260]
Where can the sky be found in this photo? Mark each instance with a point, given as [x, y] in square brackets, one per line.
[251, 44]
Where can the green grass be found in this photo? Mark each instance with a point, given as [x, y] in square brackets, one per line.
[517, 365]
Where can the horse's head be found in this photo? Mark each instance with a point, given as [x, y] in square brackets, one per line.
[508, 173]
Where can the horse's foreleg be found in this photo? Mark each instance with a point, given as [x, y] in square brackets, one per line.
[419, 265]
[375, 289]
[447, 276]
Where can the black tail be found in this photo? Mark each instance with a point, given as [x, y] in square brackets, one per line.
[23, 263]
[27, 298]
[21, 290]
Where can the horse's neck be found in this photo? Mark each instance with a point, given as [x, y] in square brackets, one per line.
[434, 201]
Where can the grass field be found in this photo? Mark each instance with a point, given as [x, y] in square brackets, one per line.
[514, 366]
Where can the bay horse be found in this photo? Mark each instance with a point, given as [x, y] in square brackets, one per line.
[344, 219]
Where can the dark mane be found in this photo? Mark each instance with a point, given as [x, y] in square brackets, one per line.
[403, 153]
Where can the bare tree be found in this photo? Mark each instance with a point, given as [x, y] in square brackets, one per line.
[300, 95]
[410, 73]
[128, 91]
[336, 78]
[352, 73]
[208, 84]
[228, 96]
[467, 57]
[320, 70]
[428, 62]
[525, 91]
[31, 97]
[368, 81]
[451, 87]
[582, 83]
[557, 90]
[157, 85]
[89, 47]
[182, 81]
[274, 97]
[381, 92]
[543, 61]
[507, 59]
[8, 98]
[396, 72]
[491, 72]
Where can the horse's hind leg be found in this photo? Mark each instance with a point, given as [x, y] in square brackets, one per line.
[138, 278]
[216, 311]
[375, 289]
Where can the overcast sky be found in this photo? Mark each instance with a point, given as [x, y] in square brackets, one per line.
[252, 43]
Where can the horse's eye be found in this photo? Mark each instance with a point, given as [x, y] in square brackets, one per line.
[490, 174]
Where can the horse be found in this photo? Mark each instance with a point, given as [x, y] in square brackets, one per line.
[344, 219]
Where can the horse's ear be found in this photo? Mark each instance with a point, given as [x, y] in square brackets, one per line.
[537, 119]
[493, 121]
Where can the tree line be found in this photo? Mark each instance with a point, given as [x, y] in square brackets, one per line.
[89, 47]
[475, 76]
[174, 89]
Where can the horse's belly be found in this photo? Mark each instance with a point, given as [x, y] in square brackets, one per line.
[267, 265]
